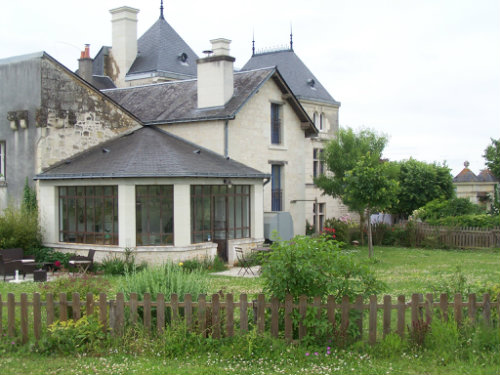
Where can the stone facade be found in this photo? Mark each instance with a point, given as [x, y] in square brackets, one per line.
[74, 117]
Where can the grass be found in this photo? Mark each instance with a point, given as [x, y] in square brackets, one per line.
[405, 271]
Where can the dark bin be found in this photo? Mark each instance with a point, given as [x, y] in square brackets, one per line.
[40, 275]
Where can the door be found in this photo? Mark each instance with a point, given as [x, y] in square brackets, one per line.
[219, 234]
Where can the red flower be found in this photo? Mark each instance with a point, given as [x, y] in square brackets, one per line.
[57, 263]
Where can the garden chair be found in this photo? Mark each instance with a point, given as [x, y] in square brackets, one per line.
[14, 259]
[82, 263]
[243, 262]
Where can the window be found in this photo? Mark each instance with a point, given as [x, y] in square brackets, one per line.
[319, 215]
[276, 136]
[220, 212]
[276, 191]
[154, 214]
[318, 163]
[2, 161]
[321, 121]
[88, 214]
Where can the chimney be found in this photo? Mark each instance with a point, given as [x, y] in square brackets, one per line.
[215, 76]
[85, 64]
[124, 40]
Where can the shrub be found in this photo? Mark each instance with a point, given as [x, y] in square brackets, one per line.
[167, 279]
[476, 221]
[46, 254]
[19, 228]
[439, 208]
[215, 264]
[81, 284]
[341, 229]
[117, 265]
[315, 267]
[86, 335]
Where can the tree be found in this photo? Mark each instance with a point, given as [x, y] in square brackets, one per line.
[371, 186]
[359, 177]
[342, 153]
[420, 183]
[492, 156]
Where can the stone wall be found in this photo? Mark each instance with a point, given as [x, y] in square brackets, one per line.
[73, 116]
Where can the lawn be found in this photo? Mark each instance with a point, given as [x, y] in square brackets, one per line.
[405, 271]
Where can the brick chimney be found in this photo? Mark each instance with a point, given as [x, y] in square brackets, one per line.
[215, 76]
[85, 64]
[124, 40]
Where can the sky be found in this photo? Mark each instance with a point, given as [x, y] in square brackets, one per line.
[425, 73]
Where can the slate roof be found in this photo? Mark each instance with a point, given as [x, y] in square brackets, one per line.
[160, 50]
[148, 152]
[486, 176]
[102, 82]
[466, 175]
[295, 73]
[176, 101]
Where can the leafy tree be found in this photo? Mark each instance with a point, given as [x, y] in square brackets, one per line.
[371, 186]
[342, 153]
[359, 178]
[492, 156]
[420, 183]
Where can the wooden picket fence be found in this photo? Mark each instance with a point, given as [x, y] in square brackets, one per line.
[216, 317]
[461, 238]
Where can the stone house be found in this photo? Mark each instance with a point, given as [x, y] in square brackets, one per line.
[479, 189]
[154, 148]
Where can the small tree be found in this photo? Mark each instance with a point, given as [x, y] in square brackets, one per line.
[373, 187]
[492, 156]
[420, 183]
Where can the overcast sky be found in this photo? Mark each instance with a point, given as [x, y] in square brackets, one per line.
[426, 73]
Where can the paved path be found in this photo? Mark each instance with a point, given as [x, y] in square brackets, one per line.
[235, 270]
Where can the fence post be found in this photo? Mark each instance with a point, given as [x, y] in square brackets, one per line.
[147, 311]
[358, 305]
[202, 319]
[288, 318]
[103, 311]
[63, 307]
[75, 302]
[24, 317]
[89, 304]
[330, 310]
[112, 317]
[487, 309]
[160, 312]
[174, 300]
[443, 304]
[275, 305]
[415, 298]
[188, 311]
[344, 318]
[37, 316]
[401, 316]
[229, 315]
[387, 315]
[373, 320]
[11, 315]
[429, 309]
[472, 308]
[243, 313]
[458, 308]
[133, 308]
[1, 315]
[261, 313]
[120, 313]
[215, 316]
[302, 313]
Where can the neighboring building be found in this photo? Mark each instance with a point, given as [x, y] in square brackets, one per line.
[478, 189]
[182, 159]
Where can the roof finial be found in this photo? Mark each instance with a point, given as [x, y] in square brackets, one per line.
[291, 37]
[161, 10]
[253, 43]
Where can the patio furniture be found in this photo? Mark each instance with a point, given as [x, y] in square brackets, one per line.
[14, 259]
[81, 262]
[243, 262]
